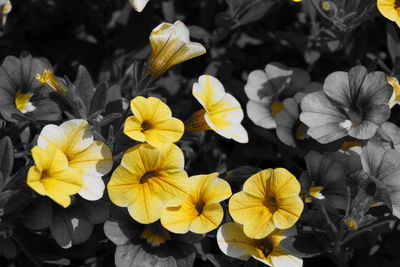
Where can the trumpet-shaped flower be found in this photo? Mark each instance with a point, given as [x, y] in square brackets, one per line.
[233, 242]
[149, 180]
[390, 9]
[351, 104]
[5, 9]
[83, 153]
[138, 5]
[51, 176]
[270, 199]
[170, 46]
[395, 98]
[201, 212]
[48, 78]
[21, 94]
[222, 112]
[152, 122]
[266, 90]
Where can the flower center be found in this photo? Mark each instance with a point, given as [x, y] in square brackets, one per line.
[147, 176]
[301, 132]
[155, 234]
[145, 126]
[270, 203]
[22, 102]
[397, 4]
[264, 247]
[276, 107]
[199, 207]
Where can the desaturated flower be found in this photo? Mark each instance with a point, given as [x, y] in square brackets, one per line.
[83, 153]
[353, 103]
[51, 176]
[152, 122]
[22, 94]
[221, 111]
[390, 10]
[270, 199]
[138, 5]
[233, 242]
[149, 180]
[201, 212]
[170, 46]
[268, 88]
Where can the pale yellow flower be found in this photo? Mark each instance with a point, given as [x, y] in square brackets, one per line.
[222, 113]
[76, 141]
[149, 180]
[152, 122]
[233, 242]
[201, 212]
[138, 5]
[51, 176]
[170, 46]
[270, 199]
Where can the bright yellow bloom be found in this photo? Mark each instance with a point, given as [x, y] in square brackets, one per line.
[5, 9]
[234, 243]
[152, 122]
[51, 176]
[138, 5]
[155, 234]
[149, 180]
[171, 45]
[314, 191]
[270, 199]
[48, 78]
[390, 9]
[22, 102]
[94, 158]
[395, 99]
[222, 112]
[201, 212]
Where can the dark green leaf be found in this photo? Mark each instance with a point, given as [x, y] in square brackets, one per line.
[302, 246]
[39, 214]
[393, 42]
[84, 86]
[99, 99]
[6, 157]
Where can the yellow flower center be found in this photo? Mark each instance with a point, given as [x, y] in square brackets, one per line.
[396, 4]
[314, 191]
[199, 207]
[22, 102]
[146, 125]
[301, 132]
[155, 235]
[326, 5]
[264, 247]
[347, 145]
[148, 175]
[351, 223]
[276, 107]
[270, 203]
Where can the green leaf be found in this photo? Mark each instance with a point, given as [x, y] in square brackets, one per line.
[99, 99]
[6, 157]
[302, 246]
[39, 214]
[84, 86]
[11, 200]
[256, 10]
[96, 211]
[241, 173]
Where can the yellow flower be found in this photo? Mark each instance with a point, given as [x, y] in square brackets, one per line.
[270, 199]
[149, 180]
[233, 242]
[314, 191]
[75, 140]
[48, 78]
[201, 212]
[152, 122]
[138, 5]
[395, 99]
[390, 9]
[170, 46]
[22, 102]
[5, 9]
[51, 176]
[222, 112]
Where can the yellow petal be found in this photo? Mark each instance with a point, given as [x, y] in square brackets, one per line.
[209, 188]
[178, 219]
[234, 243]
[208, 220]
[151, 109]
[208, 91]
[165, 132]
[284, 184]
[133, 128]
[256, 185]
[288, 212]
[121, 188]
[171, 158]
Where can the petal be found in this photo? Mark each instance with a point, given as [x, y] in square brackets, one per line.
[138, 5]
[208, 220]
[233, 242]
[95, 160]
[168, 131]
[208, 91]
[171, 158]
[288, 212]
[283, 184]
[150, 109]
[133, 127]
[337, 88]
[210, 188]
[278, 74]
[256, 185]
[121, 187]
[178, 219]
[93, 187]
[260, 114]
[257, 88]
